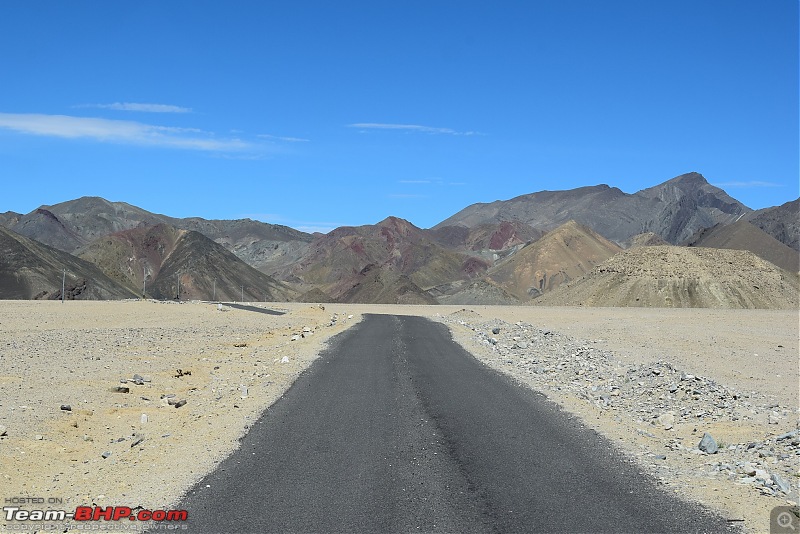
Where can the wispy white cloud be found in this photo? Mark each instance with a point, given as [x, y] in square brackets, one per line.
[283, 138]
[138, 106]
[120, 131]
[752, 183]
[409, 128]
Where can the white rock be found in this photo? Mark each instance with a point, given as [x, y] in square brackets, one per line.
[666, 420]
[2, 430]
[143, 419]
[285, 359]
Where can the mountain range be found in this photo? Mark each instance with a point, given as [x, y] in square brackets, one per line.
[504, 252]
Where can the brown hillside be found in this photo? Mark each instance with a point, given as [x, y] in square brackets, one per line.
[491, 236]
[647, 239]
[131, 255]
[742, 235]
[166, 254]
[674, 209]
[335, 262]
[781, 222]
[383, 286]
[681, 277]
[477, 293]
[33, 270]
[566, 253]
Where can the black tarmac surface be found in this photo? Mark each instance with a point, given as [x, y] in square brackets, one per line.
[253, 308]
[395, 428]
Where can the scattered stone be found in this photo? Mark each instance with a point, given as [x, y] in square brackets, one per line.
[285, 359]
[781, 483]
[294, 338]
[180, 372]
[557, 362]
[143, 419]
[171, 400]
[66, 408]
[306, 329]
[3, 430]
[660, 456]
[180, 403]
[37, 437]
[239, 345]
[106, 454]
[243, 389]
[137, 439]
[708, 444]
[666, 420]
[138, 380]
[120, 389]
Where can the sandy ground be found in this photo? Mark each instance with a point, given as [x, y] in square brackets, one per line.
[230, 365]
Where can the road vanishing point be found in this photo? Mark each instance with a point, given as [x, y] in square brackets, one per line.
[396, 428]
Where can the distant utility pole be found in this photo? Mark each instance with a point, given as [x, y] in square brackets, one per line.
[144, 282]
[242, 293]
[63, 284]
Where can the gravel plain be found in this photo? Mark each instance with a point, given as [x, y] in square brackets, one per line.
[653, 380]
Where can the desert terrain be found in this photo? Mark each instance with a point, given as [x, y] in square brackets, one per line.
[92, 408]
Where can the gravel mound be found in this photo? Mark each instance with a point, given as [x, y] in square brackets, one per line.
[681, 277]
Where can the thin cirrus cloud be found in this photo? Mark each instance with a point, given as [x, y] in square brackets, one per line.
[120, 132]
[138, 106]
[283, 138]
[364, 126]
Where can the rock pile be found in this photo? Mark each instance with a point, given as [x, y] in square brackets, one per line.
[655, 395]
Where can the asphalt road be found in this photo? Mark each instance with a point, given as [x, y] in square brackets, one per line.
[253, 308]
[395, 428]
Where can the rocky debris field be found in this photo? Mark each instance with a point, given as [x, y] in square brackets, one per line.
[684, 428]
[92, 395]
[128, 403]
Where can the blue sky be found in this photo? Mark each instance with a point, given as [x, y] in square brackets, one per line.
[320, 114]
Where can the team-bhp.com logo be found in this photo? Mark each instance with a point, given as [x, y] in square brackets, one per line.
[94, 513]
